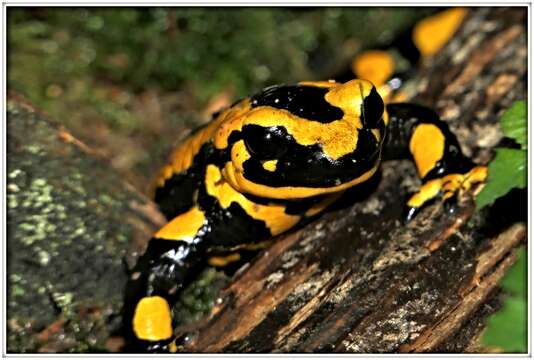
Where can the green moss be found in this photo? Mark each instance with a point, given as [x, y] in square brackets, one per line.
[197, 299]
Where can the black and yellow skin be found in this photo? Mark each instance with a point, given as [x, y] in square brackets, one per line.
[267, 164]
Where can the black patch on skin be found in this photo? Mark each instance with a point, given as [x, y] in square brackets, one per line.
[266, 143]
[307, 102]
[231, 226]
[292, 207]
[234, 137]
[176, 194]
[372, 110]
[307, 166]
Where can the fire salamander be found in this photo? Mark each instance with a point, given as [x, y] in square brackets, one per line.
[265, 165]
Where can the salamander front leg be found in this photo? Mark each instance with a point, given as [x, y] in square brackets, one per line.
[447, 187]
[418, 132]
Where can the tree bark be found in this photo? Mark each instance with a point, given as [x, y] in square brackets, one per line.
[358, 279]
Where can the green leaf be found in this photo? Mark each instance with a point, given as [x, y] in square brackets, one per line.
[507, 329]
[514, 123]
[515, 280]
[506, 171]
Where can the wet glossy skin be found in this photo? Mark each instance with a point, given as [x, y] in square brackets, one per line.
[280, 157]
[266, 165]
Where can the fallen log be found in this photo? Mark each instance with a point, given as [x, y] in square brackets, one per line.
[358, 279]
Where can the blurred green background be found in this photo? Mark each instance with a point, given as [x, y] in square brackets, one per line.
[131, 81]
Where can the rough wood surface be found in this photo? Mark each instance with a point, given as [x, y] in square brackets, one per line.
[358, 280]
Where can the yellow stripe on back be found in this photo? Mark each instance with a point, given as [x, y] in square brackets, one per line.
[183, 227]
[152, 319]
[427, 146]
[182, 157]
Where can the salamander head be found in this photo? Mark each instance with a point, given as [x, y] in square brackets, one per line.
[296, 141]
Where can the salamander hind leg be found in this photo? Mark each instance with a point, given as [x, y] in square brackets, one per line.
[171, 258]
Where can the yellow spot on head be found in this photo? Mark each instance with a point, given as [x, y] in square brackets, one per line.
[432, 33]
[377, 66]
[270, 165]
[152, 319]
[427, 145]
[336, 138]
[183, 227]
[349, 96]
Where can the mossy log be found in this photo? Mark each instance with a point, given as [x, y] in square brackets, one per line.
[71, 222]
[358, 279]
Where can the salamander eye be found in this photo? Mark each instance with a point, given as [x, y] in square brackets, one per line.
[265, 143]
[372, 110]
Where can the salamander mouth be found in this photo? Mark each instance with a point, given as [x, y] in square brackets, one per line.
[309, 167]
[241, 183]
